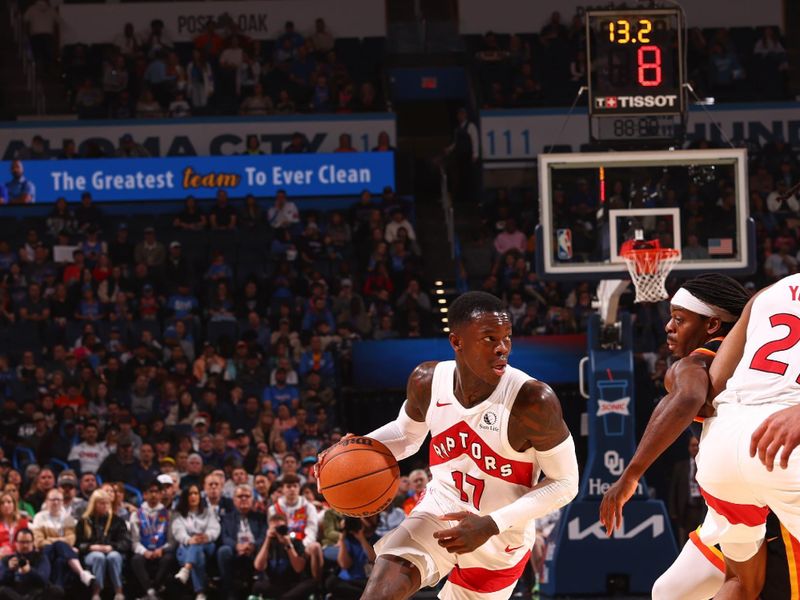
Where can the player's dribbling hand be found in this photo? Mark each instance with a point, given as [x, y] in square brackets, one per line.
[321, 455]
[613, 500]
[779, 430]
[471, 532]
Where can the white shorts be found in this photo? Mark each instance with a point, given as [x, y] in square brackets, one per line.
[488, 573]
[738, 489]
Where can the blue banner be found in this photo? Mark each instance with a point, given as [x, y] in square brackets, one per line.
[110, 180]
[387, 364]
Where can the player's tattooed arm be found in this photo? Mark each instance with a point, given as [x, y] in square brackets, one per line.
[536, 418]
[418, 390]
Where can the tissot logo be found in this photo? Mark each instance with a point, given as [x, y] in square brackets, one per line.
[614, 102]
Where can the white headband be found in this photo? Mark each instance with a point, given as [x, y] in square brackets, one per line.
[685, 299]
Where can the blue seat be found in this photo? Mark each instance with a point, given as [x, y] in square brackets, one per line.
[133, 491]
[58, 465]
[22, 457]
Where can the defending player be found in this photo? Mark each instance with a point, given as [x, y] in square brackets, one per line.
[701, 313]
[493, 429]
[756, 376]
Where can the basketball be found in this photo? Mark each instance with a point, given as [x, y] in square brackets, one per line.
[359, 476]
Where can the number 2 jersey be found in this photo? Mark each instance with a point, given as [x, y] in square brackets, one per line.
[769, 371]
[473, 465]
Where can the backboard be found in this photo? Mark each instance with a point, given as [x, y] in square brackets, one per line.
[695, 201]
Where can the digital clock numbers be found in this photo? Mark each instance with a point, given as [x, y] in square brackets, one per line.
[635, 69]
[623, 31]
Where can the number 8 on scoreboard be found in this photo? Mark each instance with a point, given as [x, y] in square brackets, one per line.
[635, 60]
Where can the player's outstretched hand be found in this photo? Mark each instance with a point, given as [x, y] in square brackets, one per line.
[321, 455]
[779, 430]
[613, 500]
[471, 532]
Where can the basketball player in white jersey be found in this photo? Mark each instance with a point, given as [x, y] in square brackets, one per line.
[493, 429]
[756, 374]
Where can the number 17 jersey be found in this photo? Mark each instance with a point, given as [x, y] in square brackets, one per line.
[769, 371]
[473, 465]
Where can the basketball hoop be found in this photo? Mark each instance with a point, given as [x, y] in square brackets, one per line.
[649, 268]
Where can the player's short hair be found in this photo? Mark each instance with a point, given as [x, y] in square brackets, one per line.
[719, 290]
[470, 305]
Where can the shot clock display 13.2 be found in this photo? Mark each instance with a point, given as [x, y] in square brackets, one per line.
[635, 62]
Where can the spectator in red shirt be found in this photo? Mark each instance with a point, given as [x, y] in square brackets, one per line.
[148, 303]
[72, 398]
[209, 41]
[378, 280]
[74, 270]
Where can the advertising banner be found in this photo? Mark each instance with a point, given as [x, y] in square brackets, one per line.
[175, 178]
[522, 134]
[201, 137]
[99, 23]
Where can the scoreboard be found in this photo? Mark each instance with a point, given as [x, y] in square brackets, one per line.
[635, 62]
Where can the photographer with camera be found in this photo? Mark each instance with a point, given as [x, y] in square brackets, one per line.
[356, 557]
[25, 575]
[284, 565]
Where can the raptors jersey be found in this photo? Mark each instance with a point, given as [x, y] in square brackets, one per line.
[769, 371]
[473, 465]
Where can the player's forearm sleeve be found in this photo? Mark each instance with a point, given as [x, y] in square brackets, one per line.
[559, 487]
[403, 436]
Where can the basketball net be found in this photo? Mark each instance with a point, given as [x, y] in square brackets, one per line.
[649, 265]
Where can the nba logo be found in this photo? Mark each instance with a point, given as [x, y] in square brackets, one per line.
[564, 238]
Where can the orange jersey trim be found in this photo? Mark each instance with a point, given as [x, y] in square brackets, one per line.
[704, 351]
[713, 554]
[792, 554]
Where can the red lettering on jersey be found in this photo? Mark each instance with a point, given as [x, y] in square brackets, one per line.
[461, 439]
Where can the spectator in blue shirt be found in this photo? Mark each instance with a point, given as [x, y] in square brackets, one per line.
[317, 312]
[7, 256]
[19, 189]
[355, 552]
[89, 308]
[293, 434]
[3, 194]
[316, 359]
[281, 392]
[289, 34]
[183, 303]
[218, 270]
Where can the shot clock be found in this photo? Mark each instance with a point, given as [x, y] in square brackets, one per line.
[635, 60]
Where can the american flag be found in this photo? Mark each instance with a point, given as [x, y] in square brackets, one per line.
[720, 246]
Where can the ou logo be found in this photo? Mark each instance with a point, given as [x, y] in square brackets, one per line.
[614, 462]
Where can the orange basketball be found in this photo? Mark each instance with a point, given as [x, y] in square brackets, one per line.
[359, 476]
